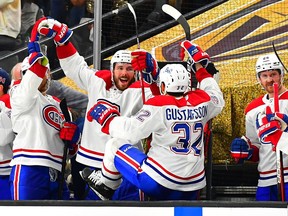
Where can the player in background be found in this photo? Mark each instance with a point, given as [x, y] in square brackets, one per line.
[250, 147]
[6, 137]
[116, 87]
[173, 168]
[40, 129]
[5, 82]
[77, 102]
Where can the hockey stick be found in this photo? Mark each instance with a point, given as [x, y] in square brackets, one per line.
[173, 12]
[138, 46]
[279, 155]
[274, 49]
[65, 112]
[136, 25]
[176, 15]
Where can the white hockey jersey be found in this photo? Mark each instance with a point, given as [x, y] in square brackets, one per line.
[99, 87]
[6, 139]
[36, 121]
[267, 157]
[176, 156]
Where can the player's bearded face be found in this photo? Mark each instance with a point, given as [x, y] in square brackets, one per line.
[123, 75]
[267, 78]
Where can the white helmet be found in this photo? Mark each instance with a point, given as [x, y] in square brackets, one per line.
[120, 56]
[175, 77]
[268, 62]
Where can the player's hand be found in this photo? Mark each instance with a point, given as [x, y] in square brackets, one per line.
[34, 49]
[241, 149]
[52, 28]
[144, 62]
[103, 114]
[283, 120]
[196, 55]
[270, 126]
[266, 124]
[71, 133]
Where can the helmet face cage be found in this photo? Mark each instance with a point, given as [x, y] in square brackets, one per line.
[269, 62]
[175, 78]
[123, 56]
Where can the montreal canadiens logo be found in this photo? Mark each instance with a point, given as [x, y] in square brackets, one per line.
[53, 117]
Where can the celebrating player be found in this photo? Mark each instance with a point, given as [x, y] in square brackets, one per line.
[173, 168]
[39, 126]
[116, 87]
[7, 135]
[251, 146]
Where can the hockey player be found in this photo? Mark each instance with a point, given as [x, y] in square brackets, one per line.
[116, 87]
[249, 147]
[5, 82]
[7, 136]
[76, 101]
[39, 126]
[173, 168]
[6, 139]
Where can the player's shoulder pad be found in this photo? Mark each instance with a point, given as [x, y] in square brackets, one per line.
[197, 97]
[284, 96]
[106, 76]
[164, 100]
[254, 104]
[6, 99]
[137, 84]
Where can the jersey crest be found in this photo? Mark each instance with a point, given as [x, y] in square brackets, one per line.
[52, 116]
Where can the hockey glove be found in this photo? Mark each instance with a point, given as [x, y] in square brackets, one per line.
[283, 119]
[71, 133]
[266, 124]
[34, 49]
[144, 62]
[34, 52]
[52, 28]
[241, 149]
[196, 55]
[103, 115]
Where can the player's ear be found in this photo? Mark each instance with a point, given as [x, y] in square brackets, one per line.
[163, 88]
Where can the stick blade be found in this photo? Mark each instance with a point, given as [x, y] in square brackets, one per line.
[173, 12]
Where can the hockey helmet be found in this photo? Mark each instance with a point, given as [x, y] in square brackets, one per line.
[5, 79]
[120, 56]
[175, 78]
[269, 62]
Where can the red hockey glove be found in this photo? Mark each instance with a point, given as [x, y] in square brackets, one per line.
[52, 28]
[144, 62]
[266, 124]
[283, 119]
[274, 138]
[196, 55]
[70, 132]
[103, 115]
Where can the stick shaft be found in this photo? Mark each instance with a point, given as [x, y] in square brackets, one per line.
[65, 112]
[279, 156]
[138, 46]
